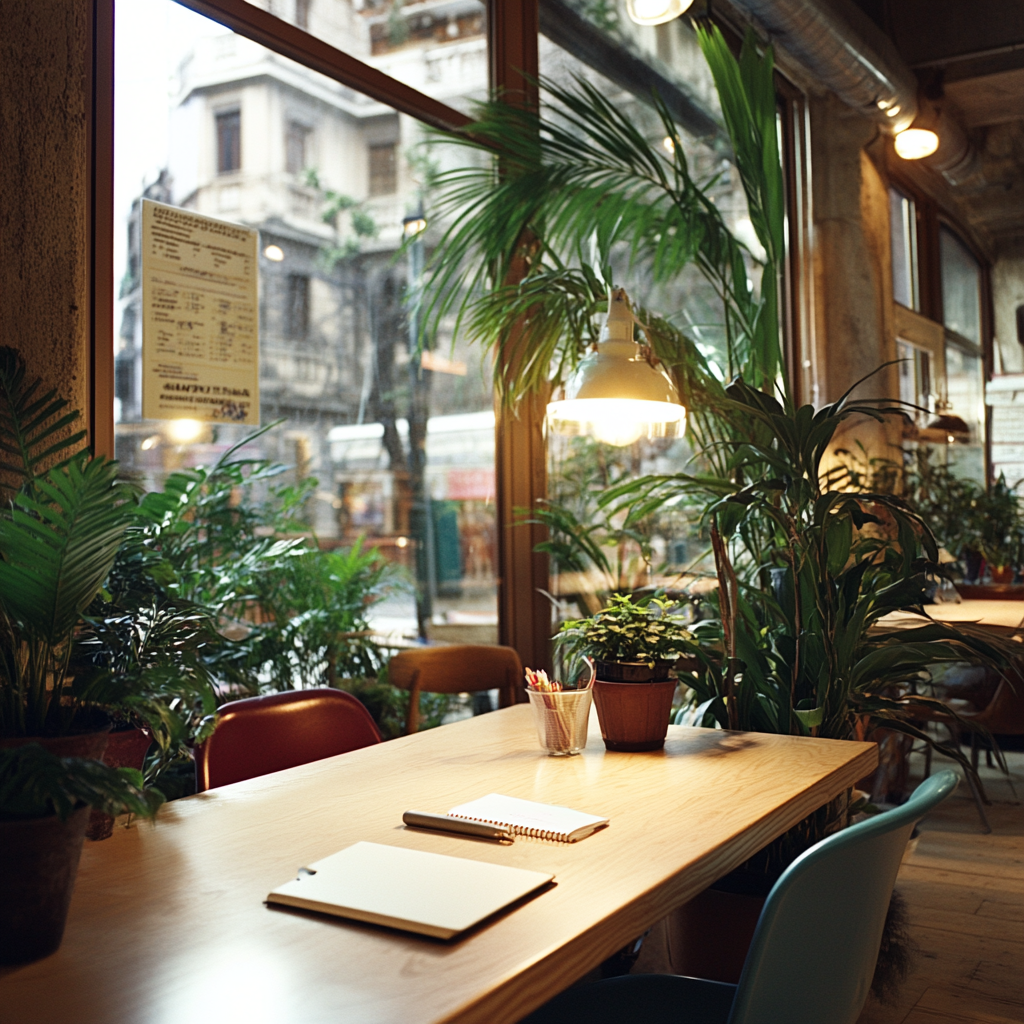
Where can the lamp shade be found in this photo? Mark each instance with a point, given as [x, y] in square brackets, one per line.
[616, 395]
[655, 12]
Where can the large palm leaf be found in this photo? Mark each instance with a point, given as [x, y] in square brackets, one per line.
[34, 428]
[58, 547]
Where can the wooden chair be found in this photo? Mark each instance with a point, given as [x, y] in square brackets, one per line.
[458, 668]
[268, 734]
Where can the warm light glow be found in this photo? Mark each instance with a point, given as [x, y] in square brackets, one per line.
[184, 431]
[617, 421]
[655, 12]
[401, 542]
[150, 442]
[413, 226]
[915, 143]
[669, 144]
[274, 252]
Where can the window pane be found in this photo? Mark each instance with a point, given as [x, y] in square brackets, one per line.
[579, 468]
[402, 454]
[965, 387]
[438, 48]
[903, 237]
[961, 287]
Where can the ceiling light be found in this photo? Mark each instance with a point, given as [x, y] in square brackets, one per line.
[274, 252]
[616, 396]
[916, 143]
[656, 12]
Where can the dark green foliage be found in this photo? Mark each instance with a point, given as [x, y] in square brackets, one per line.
[582, 182]
[34, 428]
[35, 783]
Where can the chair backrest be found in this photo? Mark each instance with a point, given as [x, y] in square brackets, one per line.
[456, 668]
[268, 734]
[813, 954]
[1004, 714]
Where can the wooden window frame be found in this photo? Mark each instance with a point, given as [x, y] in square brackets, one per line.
[523, 612]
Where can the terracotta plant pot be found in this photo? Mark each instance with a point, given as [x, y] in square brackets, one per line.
[127, 748]
[634, 716]
[38, 865]
[1002, 573]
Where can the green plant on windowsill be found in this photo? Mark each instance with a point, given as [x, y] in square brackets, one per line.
[998, 523]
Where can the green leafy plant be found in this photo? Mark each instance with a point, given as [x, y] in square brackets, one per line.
[627, 630]
[35, 783]
[998, 526]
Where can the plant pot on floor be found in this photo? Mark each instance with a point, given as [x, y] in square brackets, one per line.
[38, 865]
[634, 702]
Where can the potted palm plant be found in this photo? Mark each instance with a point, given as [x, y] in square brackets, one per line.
[59, 534]
[636, 645]
[45, 802]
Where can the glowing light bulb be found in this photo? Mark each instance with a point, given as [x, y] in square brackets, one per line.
[274, 253]
[184, 431]
[916, 143]
[669, 144]
[619, 433]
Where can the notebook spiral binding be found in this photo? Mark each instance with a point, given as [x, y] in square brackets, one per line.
[521, 830]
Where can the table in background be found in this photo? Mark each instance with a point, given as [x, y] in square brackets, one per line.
[168, 922]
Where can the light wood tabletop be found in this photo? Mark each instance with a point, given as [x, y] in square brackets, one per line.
[999, 616]
[168, 921]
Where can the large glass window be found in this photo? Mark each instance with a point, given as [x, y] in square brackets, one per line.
[401, 447]
[961, 287]
[903, 238]
[666, 549]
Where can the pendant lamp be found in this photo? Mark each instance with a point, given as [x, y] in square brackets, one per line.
[615, 395]
[655, 12]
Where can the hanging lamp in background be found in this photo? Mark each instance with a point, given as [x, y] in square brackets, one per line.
[655, 12]
[921, 139]
[616, 396]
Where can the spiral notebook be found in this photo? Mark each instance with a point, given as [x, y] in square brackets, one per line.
[528, 818]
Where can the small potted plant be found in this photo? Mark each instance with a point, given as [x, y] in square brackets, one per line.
[635, 646]
[45, 802]
[1001, 531]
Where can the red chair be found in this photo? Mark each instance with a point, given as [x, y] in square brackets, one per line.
[268, 734]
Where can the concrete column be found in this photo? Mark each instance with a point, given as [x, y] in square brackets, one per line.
[45, 98]
[852, 268]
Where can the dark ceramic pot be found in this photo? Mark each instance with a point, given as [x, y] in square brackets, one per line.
[38, 865]
[127, 748]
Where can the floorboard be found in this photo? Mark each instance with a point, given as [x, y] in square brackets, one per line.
[965, 896]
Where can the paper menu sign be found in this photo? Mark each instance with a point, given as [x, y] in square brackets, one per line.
[200, 317]
[529, 818]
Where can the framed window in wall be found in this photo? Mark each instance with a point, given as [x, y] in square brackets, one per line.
[401, 447]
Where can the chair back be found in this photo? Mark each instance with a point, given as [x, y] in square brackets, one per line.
[813, 954]
[268, 734]
[456, 668]
[1004, 714]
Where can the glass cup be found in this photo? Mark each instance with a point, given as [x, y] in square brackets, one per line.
[561, 720]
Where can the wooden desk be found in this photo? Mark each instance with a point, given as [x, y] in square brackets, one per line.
[168, 922]
[1006, 617]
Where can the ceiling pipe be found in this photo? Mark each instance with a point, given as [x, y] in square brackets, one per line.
[845, 52]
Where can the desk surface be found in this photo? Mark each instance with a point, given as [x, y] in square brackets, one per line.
[997, 615]
[168, 921]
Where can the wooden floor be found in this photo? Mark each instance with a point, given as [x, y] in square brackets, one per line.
[965, 894]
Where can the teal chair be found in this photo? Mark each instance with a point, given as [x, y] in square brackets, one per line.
[812, 956]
